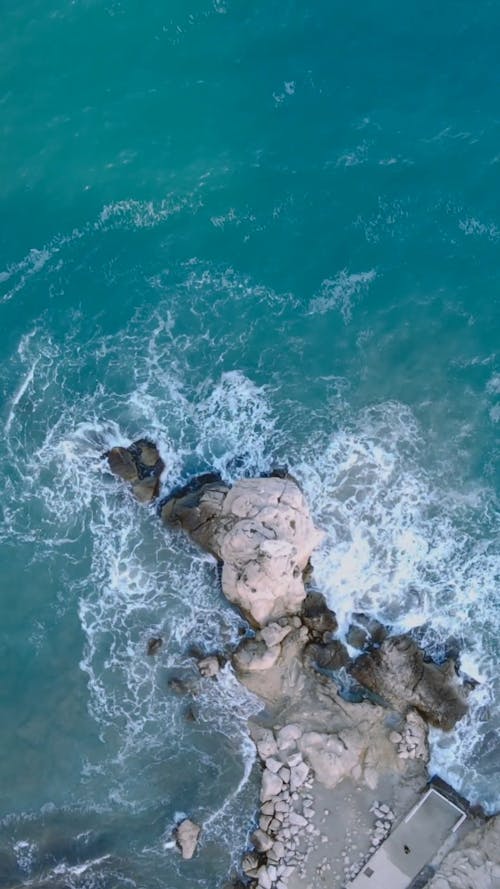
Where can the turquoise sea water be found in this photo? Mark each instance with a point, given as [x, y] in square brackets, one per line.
[259, 233]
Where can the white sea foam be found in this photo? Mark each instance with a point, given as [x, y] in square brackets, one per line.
[407, 547]
[341, 293]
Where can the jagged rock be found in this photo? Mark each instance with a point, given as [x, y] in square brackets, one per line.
[209, 666]
[397, 672]
[141, 465]
[146, 489]
[186, 835]
[254, 656]
[267, 548]
[287, 736]
[250, 863]
[197, 508]
[475, 863]
[317, 617]
[331, 656]
[122, 463]
[365, 631]
[264, 740]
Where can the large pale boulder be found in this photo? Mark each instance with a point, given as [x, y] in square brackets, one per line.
[262, 532]
[398, 673]
[268, 547]
[474, 863]
[187, 834]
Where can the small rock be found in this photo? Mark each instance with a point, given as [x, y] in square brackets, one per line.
[261, 841]
[263, 877]
[284, 774]
[274, 765]
[209, 666]
[273, 634]
[187, 834]
[267, 808]
[271, 785]
[395, 738]
[287, 736]
[298, 775]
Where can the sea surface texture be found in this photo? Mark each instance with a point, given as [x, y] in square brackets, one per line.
[261, 233]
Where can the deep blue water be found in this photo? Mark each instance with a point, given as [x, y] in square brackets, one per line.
[258, 233]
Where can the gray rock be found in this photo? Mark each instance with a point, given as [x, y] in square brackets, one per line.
[271, 785]
[397, 672]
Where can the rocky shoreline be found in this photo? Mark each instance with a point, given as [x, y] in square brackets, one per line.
[333, 728]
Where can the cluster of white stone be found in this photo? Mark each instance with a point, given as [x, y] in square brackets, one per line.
[384, 819]
[412, 740]
[285, 812]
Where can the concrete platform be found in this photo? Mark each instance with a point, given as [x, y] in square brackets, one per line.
[413, 843]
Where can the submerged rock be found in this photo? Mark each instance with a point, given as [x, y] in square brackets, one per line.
[209, 666]
[398, 673]
[154, 645]
[186, 835]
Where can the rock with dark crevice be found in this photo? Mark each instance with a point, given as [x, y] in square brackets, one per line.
[331, 656]
[317, 617]
[398, 673]
[141, 465]
[365, 631]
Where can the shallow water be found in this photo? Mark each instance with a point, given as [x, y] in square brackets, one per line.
[259, 236]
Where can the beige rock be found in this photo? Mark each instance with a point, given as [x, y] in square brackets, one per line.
[274, 765]
[475, 863]
[261, 841]
[287, 736]
[267, 547]
[273, 634]
[254, 656]
[187, 834]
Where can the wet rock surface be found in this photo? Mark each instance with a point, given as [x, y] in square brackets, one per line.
[398, 673]
[140, 465]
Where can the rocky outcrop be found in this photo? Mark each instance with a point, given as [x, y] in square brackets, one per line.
[141, 465]
[262, 532]
[186, 835]
[475, 863]
[197, 509]
[398, 673]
